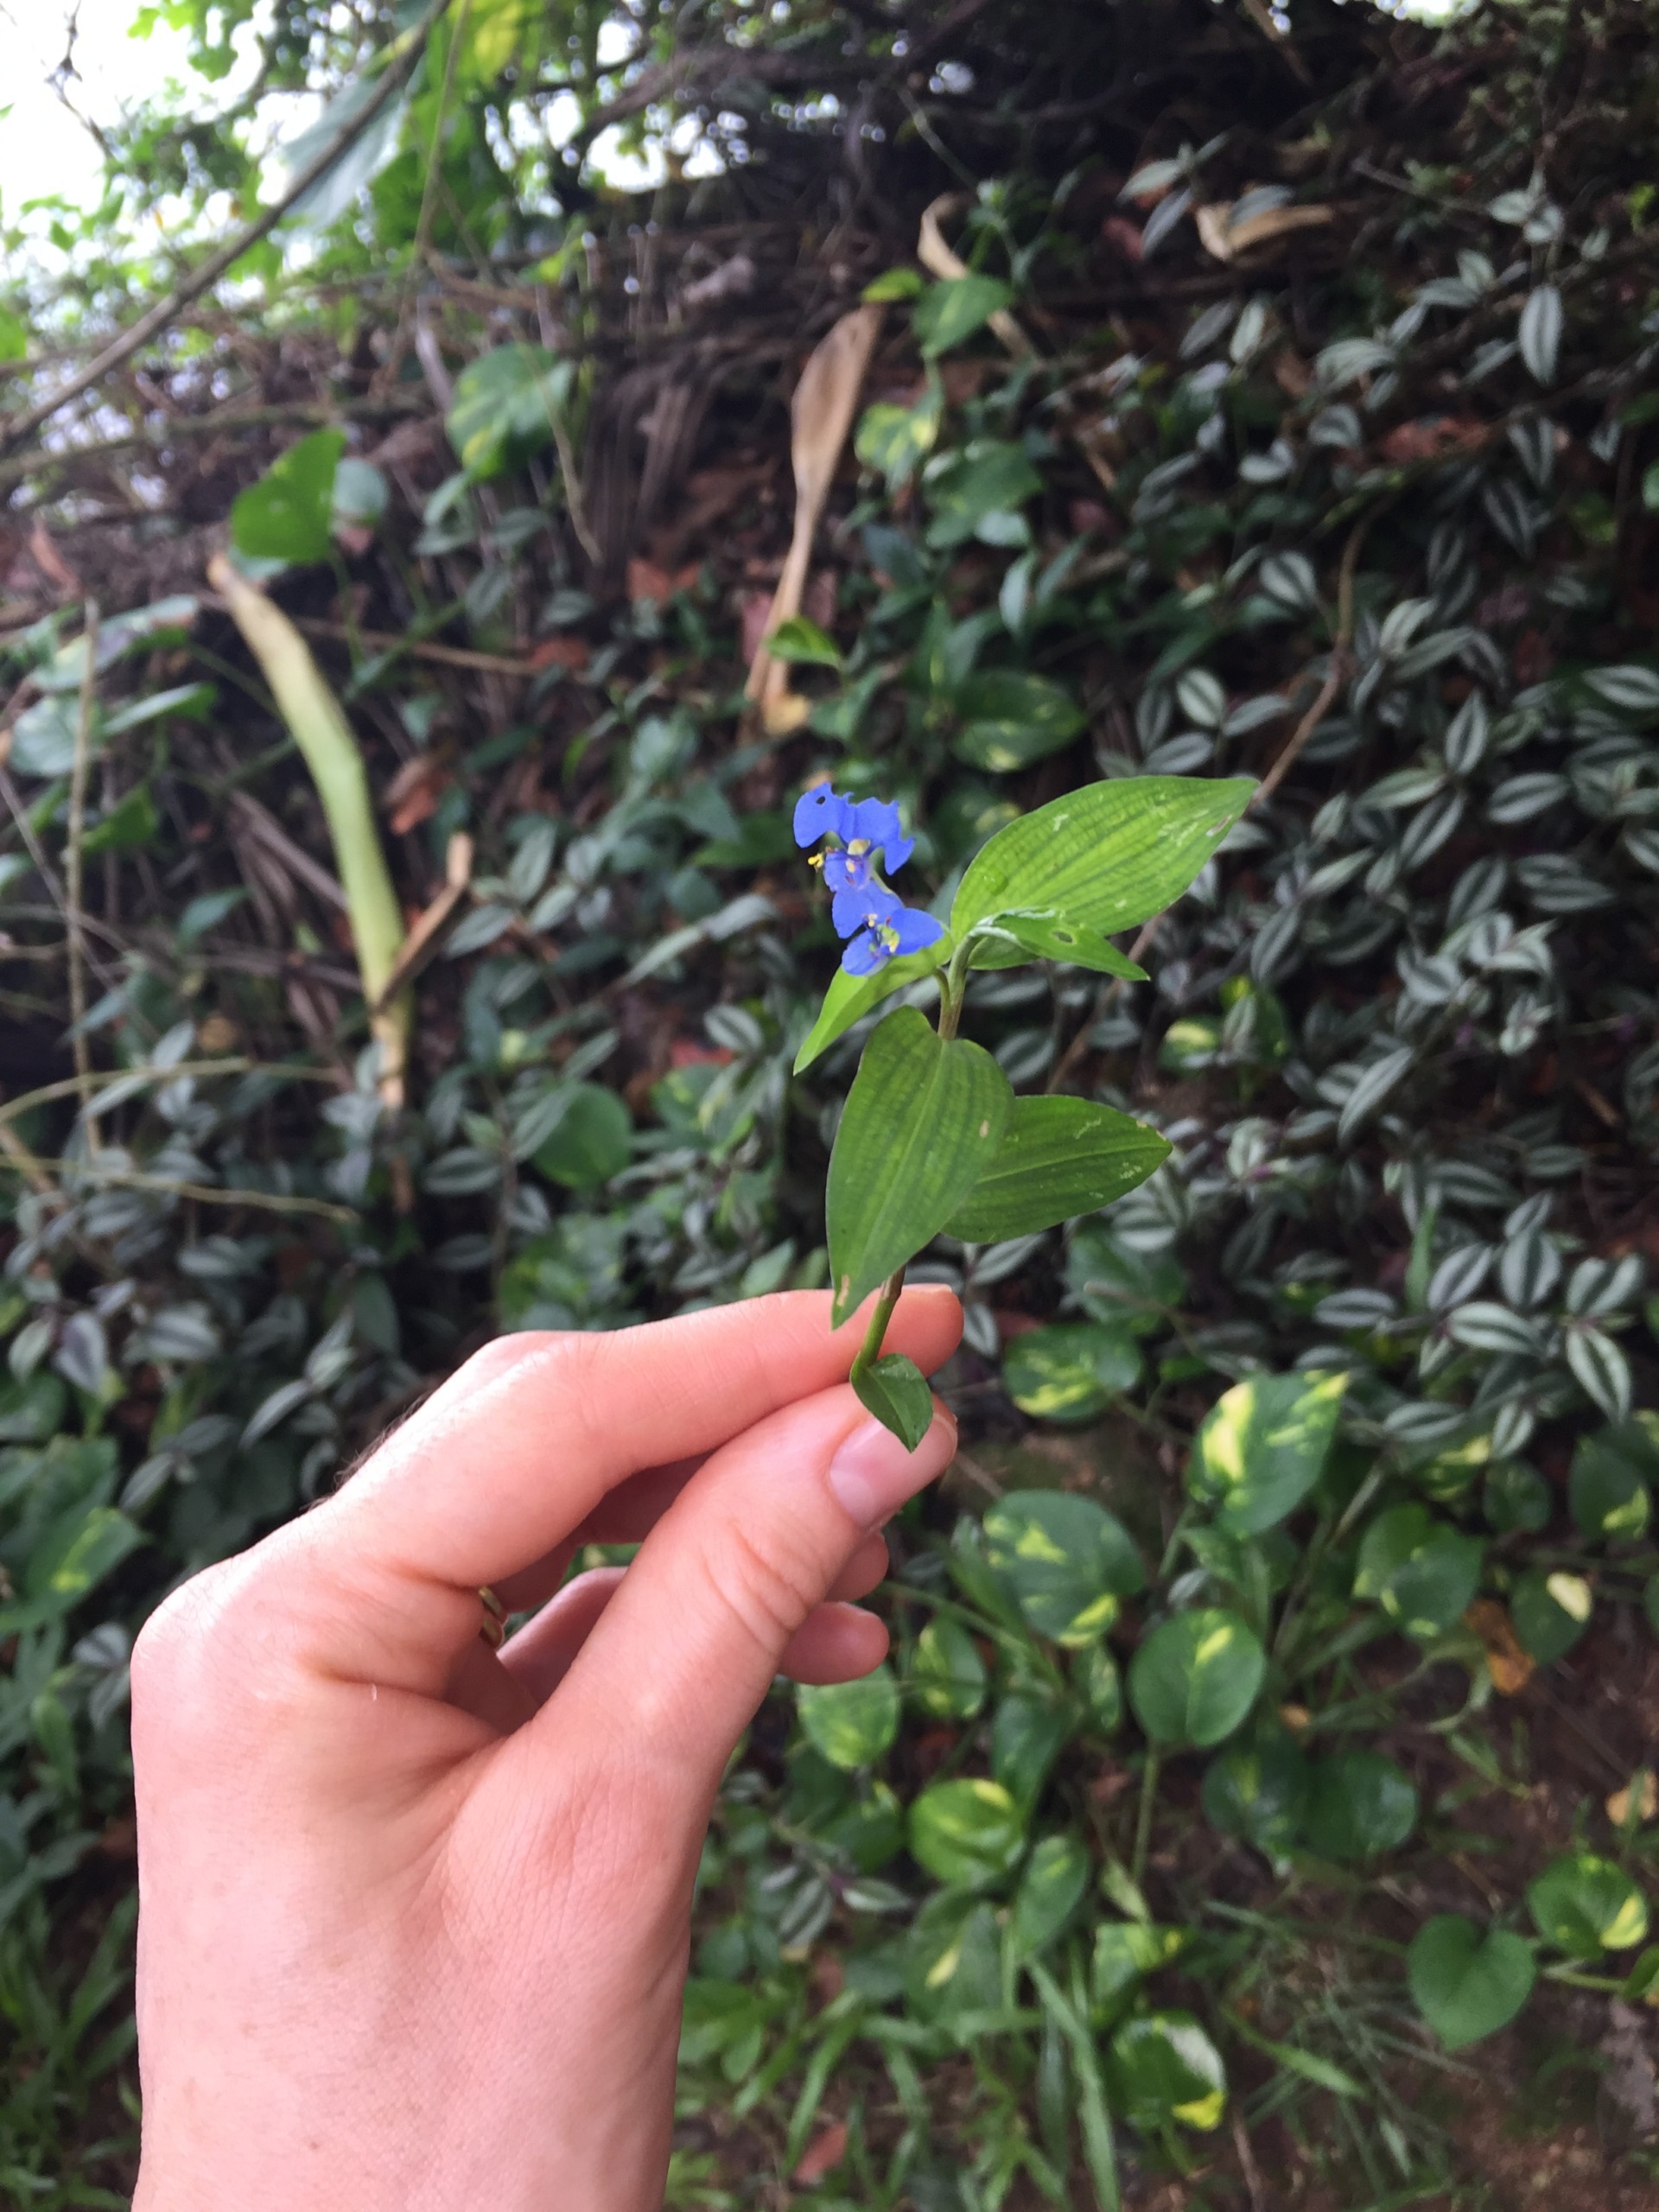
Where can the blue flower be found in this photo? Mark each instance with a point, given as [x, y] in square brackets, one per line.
[863, 827]
[905, 930]
[866, 835]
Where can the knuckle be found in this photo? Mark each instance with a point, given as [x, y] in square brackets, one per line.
[770, 1587]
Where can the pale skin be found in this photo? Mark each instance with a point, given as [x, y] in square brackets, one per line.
[414, 1916]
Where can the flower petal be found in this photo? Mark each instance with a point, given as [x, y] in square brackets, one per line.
[870, 905]
[844, 871]
[876, 821]
[916, 931]
[865, 954]
[820, 812]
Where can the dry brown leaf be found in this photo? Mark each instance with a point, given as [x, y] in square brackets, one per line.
[821, 415]
[1225, 241]
[1618, 1805]
[938, 258]
[1295, 1718]
[824, 2154]
[1508, 1661]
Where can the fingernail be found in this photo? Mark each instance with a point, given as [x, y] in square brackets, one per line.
[872, 1475]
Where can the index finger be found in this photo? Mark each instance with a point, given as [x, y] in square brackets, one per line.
[519, 1446]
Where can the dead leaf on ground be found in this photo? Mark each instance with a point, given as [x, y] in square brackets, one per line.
[824, 2154]
[645, 579]
[1120, 231]
[821, 415]
[1618, 1805]
[562, 652]
[1429, 436]
[1224, 240]
[412, 796]
[1509, 1662]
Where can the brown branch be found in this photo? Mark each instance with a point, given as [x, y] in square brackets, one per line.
[151, 324]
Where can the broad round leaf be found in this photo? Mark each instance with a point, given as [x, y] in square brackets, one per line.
[852, 1724]
[1258, 1790]
[592, 1141]
[289, 514]
[1070, 1372]
[1359, 1804]
[1163, 2067]
[1050, 1889]
[1067, 1560]
[1028, 1732]
[506, 406]
[1464, 1986]
[924, 1120]
[1263, 1446]
[1196, 1677]
[946, 1672]
[1609, 1490]
[966, 1833]
[1126, 1949]
[1421, 1571]
[953, 1959]
[1550, 1612]
[1586, 1905]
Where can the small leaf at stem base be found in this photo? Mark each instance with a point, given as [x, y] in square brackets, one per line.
[895, 1391]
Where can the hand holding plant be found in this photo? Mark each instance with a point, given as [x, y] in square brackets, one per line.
[932, 1140]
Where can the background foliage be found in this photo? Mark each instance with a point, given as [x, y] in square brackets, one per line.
[1270, 1717]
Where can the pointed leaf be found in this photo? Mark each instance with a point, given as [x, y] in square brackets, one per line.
[1059, 1157]
[849, 998]
[924, 1119]
[895, 1391]
[1104, 858]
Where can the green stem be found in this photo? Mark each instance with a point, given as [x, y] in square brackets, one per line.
[870, 1351]
[1143, 1817]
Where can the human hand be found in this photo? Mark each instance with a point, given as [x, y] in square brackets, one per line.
[415, 1916]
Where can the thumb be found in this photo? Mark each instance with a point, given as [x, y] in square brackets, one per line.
[687, 1649]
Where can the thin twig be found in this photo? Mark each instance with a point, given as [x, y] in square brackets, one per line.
[212, 1194]
[164, 311]
[74, 884]
[422, 941]
[47, 875]
[71, 1086]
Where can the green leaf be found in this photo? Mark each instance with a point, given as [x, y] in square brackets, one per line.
[895, 284]
[1126, 1949]
[1163, 2068]
[1131, 1290]
[1195, 1678]
[1422, 1571]
[895, 1391]
[849, 998]
[592, 1141]
[966, 1833]
[1013, 940]
[1258, 1790]
[1609, 1492]
[288, 515]
[1010, 719]
[1359, 1804]
[897, 440]
[1070, 1372]
[1264, 1447]
[14, 336]
[133, 821]
[1067, 1560]
[946, 1672]
[31, 1411]
[1104, 858]
[1028, 1732]
[800, 639]
[1550, 1612]
[1051, 1890]
[953, 1960]
[1096, 1678]
[1586, 1905]
[990, 477]
[950, 311]
[1059, 1157]
[851, 1723]
[70, 1559]
[506, 405]
[1466, 1986]
[923, 1118]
